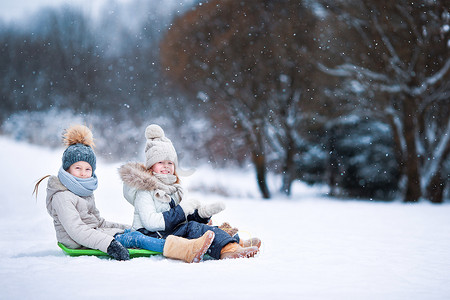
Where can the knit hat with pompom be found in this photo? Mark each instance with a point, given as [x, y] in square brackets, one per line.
[79, 141]
[158, 147]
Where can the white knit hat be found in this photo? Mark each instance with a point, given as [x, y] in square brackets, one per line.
[158, 147]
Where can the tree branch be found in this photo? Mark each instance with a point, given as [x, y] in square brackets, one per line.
[430, 81]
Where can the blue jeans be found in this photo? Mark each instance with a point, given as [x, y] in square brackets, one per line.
[135, 239]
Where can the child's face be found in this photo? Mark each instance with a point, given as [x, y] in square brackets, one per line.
[164, 167]
[80, 169]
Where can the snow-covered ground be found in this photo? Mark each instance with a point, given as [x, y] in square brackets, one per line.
[313, 247]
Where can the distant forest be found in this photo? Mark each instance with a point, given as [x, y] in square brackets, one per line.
[351, 94]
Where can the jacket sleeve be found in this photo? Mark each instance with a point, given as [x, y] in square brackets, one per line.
[79, 231]
[151, 219]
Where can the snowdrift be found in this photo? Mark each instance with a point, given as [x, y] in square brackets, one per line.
[313, 247]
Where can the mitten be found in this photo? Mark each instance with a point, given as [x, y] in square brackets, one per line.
[228, 229]
[117, 251]
[189, 206]
[207, 210]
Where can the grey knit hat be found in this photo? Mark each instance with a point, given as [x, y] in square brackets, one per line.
[79, 141]
[158, 147]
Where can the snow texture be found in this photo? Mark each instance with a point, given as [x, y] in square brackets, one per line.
[313, 247]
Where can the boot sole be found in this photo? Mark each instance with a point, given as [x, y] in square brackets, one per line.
[244, 253]
[258, 244]
[208, 241]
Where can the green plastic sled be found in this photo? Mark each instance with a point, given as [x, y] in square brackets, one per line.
[93, 252]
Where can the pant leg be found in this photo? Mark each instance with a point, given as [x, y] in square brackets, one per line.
[135, 239]
[193, 230]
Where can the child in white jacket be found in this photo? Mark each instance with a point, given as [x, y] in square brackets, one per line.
[160, 209]
[77, 221]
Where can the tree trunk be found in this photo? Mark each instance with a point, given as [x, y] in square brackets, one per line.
[436, 186]
[435, 190]
[288, 168]
[259, 161]
[332, 167]
[398, 150]
[413, 190]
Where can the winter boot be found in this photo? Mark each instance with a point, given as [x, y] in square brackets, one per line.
[188, 250]
[250, 242]
[234, 250]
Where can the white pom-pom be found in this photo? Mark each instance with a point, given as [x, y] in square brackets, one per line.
[154, 131]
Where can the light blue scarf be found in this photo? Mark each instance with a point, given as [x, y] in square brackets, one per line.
[79, 186]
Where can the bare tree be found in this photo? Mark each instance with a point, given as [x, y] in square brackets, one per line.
[249, 60]
[398, 52]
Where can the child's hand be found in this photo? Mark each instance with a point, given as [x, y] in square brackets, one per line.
[117, 251]
[207, 210]
[189, 206]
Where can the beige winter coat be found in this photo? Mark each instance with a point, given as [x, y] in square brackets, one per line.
[76, 219]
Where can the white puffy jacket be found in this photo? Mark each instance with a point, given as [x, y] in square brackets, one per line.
[150, 212]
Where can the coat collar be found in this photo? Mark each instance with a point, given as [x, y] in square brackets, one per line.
[137, 176]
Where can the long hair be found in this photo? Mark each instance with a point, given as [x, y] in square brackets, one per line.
[36, 186]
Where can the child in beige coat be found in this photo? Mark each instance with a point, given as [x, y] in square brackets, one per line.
[77, 221]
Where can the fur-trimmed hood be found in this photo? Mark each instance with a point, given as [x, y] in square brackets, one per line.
[135, 177]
